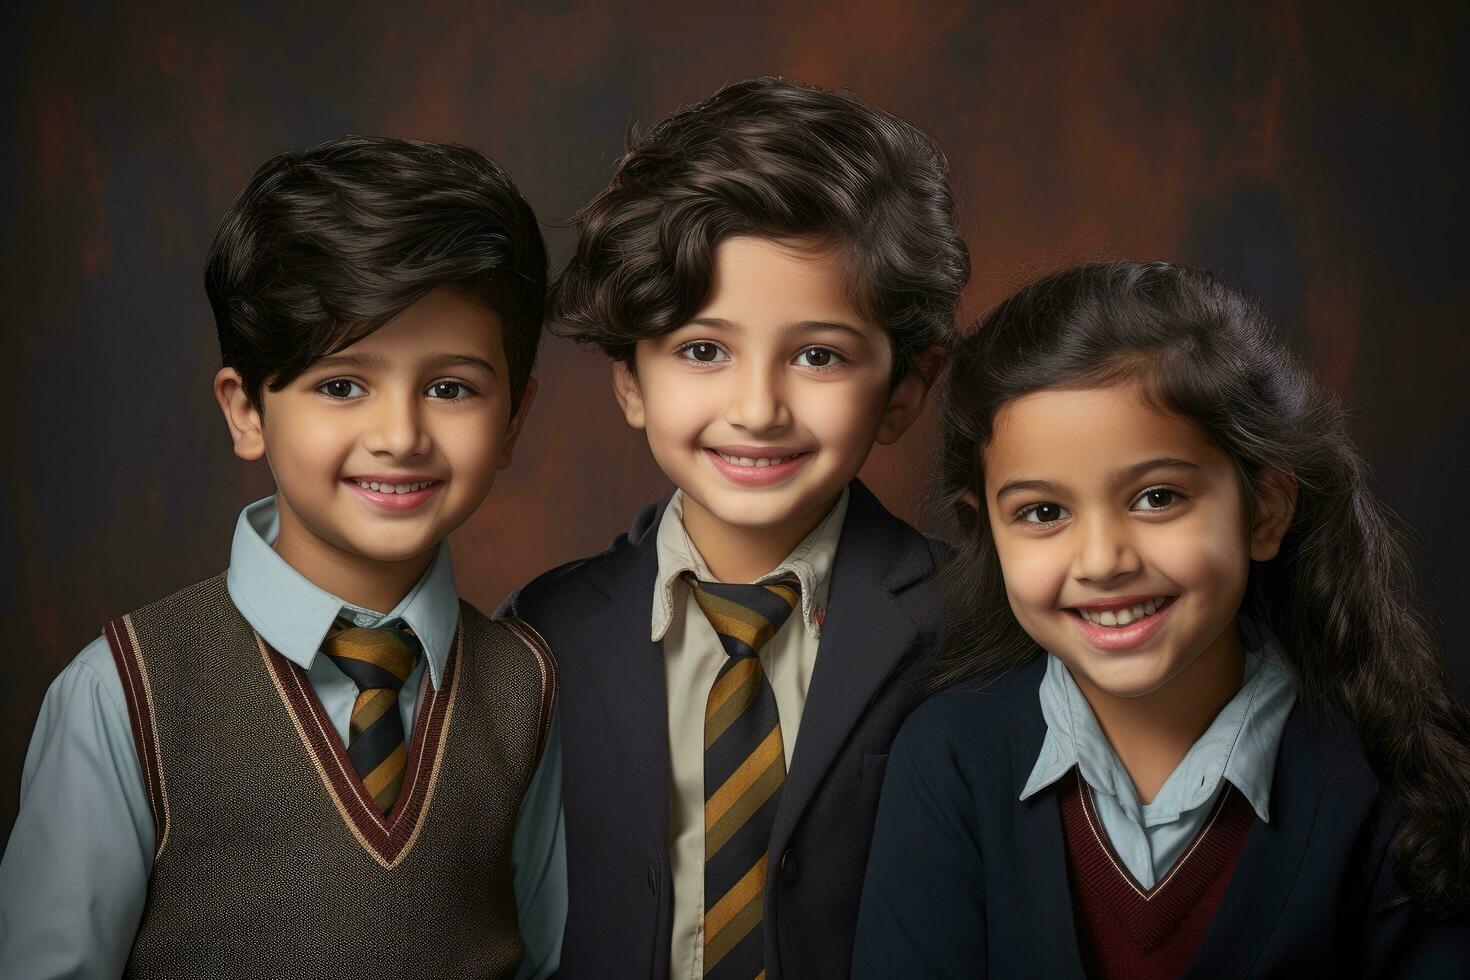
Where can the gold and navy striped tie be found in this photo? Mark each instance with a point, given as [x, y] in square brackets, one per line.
[378, 661]
[744, 767]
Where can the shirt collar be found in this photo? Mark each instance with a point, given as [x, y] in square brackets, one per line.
[293, 615]
[810, 562]
[1240, 745]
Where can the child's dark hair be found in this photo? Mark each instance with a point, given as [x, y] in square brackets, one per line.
[1340, 594]
[329, 243]
[781, 160]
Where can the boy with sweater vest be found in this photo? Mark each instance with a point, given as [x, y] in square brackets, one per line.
[322, 762]
[774, 273]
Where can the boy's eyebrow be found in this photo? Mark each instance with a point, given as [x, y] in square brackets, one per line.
[802, 326]
[351, 360]
[459, 360]
[798, 326]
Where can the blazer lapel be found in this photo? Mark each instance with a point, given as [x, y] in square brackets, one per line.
[1269, 862]
[870, 625]
[628, 667]
[1044, 890]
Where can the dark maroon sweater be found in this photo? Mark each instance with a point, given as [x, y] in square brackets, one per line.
[1126, 931]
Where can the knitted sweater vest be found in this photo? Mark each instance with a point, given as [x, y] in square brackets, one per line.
[271, 859]
[1125, 931]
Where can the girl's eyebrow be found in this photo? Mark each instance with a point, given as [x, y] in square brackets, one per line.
[1127, 474]
[1130, 473]
[1029, 486]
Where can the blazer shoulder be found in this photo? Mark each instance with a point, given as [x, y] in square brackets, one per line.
[549, 593]
[979, 710]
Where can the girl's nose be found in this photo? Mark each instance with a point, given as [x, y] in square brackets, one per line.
[1105, 553]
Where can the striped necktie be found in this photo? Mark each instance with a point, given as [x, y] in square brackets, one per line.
[744, 767]
[378, 661]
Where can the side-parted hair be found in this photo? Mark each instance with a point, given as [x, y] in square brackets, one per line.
[780, 160]
[327, 244]
[1340, 594]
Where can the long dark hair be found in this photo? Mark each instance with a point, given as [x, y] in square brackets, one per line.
[1340, 595]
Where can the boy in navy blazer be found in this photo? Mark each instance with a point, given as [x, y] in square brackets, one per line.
[774, 273]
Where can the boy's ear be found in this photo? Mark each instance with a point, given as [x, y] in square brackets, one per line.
[629, 395]
[513, 431]
[240, 415]
[906, 400]
[1275, 507]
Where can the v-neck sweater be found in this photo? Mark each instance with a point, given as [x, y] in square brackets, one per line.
[1127, 932]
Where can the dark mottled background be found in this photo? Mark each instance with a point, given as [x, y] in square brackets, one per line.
[1312, 154]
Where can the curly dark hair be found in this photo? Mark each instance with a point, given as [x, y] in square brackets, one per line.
[327, 244]
[1340, 593]
[777, 159]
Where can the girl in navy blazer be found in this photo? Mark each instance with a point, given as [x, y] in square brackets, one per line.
[1188, 719]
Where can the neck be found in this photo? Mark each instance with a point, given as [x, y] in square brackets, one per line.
[738, 554]
[351, 577]
[1153, 732]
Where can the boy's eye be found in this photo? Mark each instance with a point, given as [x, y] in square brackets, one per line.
[1042, 513]
[340, 388]
[1156, 499]
[449, 390]
[818, 357]
[704, 352]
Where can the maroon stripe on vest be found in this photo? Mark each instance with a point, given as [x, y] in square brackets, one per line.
[538, 646]
[140, 717]
[390, 833]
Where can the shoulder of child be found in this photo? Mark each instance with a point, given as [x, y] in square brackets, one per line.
[975, 715]
[547, 592]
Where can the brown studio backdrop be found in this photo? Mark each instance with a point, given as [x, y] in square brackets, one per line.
[1313, 159]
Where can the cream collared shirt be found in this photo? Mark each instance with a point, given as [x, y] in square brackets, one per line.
[692, 658]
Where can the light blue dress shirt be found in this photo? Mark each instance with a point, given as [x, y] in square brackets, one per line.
[1239, 747]
[74, 879]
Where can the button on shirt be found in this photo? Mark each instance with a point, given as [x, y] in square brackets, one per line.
[692, 658]
[1239, 747]
[74, 879]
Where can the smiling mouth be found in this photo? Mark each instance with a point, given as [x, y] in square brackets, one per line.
[1123, 615]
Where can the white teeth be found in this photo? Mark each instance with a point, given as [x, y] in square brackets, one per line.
[1124, 616]
[392, 487]
[749, 461]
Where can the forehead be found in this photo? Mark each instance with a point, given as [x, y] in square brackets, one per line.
[443, 321]
[757, 283]
[1080, 437]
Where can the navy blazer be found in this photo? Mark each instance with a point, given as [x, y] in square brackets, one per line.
[967, 880]
[878, 640]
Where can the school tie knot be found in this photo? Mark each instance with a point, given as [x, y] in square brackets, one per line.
[746, 616]
[378, 660]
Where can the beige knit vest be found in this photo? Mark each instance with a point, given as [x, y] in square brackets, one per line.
[270, 859]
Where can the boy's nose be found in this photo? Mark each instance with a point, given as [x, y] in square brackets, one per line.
[396, 428]
[1105, 553]
[756, 403]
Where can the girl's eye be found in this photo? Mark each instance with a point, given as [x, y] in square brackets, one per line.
[818, 357]
[449, 390]
[704, 352]
[1041, 513]
[1158, 498]
[340, 388]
